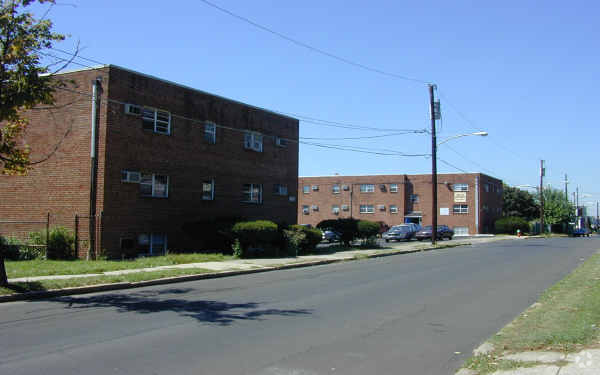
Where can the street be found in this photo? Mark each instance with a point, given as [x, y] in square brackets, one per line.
[419, 313]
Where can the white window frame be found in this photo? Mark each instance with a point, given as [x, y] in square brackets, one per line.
[367, 209]
[335, 189]
[149, 240]
[335, 209]
[306, 189]
[251, 192]
[414, 198]
[133, 177]
[460, 187]
[367, 188]
[153, 186]
[460, 209]
[157, 123]
[253, 141]
[210, 132]
[393, 209]
[281, 142]
[315, 188]
[279, 189]
[211, 183]
[393, 188]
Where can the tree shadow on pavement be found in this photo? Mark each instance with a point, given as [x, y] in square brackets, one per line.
[205, 311]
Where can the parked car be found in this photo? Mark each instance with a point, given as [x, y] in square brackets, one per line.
[399, 232]
[582, 232]
[331, 236]
[416, 227]
[442, 232]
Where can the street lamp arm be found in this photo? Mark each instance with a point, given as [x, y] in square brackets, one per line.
[482, 134]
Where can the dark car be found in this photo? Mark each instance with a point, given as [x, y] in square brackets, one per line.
[442, 232]
[331, 236]
[399, 232]
[581, 232]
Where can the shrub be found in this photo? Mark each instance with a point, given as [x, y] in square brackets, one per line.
[509, 225]
[61, 243]
[213, 234]
[368, 229]
[257, 237]
[302, 240]
[347, 228]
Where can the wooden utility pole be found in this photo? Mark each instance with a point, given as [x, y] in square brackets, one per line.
[542, 174]
[433, 166]
[566, 192]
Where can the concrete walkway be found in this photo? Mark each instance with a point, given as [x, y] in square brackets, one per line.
[268, 263]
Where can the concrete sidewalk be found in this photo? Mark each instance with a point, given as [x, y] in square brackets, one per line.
[392, 248]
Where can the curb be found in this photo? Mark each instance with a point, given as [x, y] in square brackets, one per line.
[30, 296]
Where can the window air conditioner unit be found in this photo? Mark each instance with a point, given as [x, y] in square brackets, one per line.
[132, 109]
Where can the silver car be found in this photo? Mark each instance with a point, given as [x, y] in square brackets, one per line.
[399, 232]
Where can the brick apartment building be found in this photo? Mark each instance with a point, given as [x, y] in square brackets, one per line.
[166, 155]
[469, 203]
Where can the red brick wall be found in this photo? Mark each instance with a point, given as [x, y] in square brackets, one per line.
[408, 185]
[59, 185]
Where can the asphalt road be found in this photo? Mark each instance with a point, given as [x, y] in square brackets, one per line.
[405, 314]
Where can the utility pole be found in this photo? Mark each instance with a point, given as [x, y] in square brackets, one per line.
[542, 174]
[597, 222]
[577, 207]
[566, 192]
[96, 90]
[433, 165]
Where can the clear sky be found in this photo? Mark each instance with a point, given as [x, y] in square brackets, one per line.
[527, 72]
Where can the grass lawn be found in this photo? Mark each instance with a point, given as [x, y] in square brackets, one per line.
[566, 318]
[29, 268]
[95, 280]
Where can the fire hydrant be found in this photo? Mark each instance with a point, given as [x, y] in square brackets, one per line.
[518, 233]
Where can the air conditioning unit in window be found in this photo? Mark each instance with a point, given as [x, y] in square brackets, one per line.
[132, 109]
[131, 176]
[345, 207]
[281, 142]
[381, 207]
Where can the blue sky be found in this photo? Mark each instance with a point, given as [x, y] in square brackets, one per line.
[524, 71]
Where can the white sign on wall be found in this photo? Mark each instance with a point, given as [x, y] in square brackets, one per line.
[460, 197]
[444, 211]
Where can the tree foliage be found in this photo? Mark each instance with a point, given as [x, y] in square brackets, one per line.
[519, 203]
[557, 208]
[24, 82]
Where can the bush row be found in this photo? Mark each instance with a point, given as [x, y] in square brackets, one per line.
[510, 224]
[351, 229]
[61, 245]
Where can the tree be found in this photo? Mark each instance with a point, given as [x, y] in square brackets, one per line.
[519, 203]
[557, 208]
[24, 82]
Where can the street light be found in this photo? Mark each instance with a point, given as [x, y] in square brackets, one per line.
[434, 146]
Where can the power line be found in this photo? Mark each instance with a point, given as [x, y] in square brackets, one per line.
[312, 48]
[452, 166]
[366, 137]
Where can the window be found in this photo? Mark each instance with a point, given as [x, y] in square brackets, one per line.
[132, 109]
[461, 231]
[281, 142]
[414, 198]
[366, 209]
[210, 133]
[154, 244]
[393, 209]
[460, 187]
[208, 190]
[306, 189]
[130, 176]
[305, 210]
[487, 188]
[156, 120]
[367, 188]
[279, 189]
[153, 185]
[315, 207]
[382, 188]
[460, 209]
[315, 187]
[252, 193]
[381, 207]
[485, 208]
[345, 207]
[345, 187]
[335, 189]
[393, 188]
[253, 141]
[499, 189]
[335, 209]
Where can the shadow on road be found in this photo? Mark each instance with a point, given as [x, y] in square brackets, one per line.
[216, 312]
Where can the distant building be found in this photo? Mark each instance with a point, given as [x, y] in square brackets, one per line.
[469, 203]
[167, 155]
